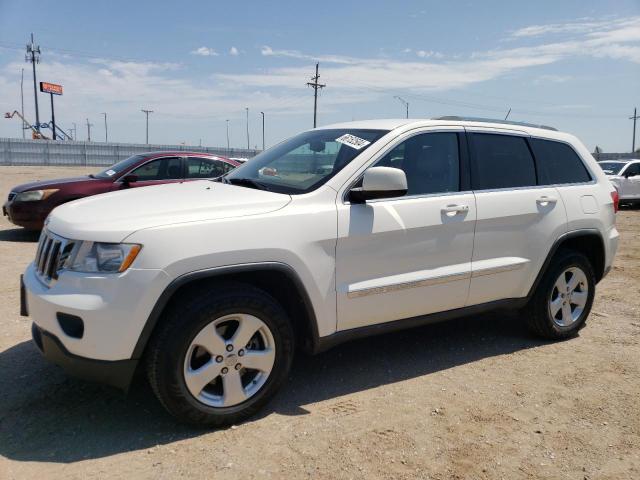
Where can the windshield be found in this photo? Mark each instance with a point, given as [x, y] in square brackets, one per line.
[120, 167]
[611, 168]
[304, 162]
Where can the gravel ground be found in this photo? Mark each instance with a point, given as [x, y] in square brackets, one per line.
[473, 398]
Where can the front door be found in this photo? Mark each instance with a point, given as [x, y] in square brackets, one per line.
[408, 256]
[156, 172]
[631, 182]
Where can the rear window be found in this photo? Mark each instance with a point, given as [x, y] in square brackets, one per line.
[501, 161]
[558, 163]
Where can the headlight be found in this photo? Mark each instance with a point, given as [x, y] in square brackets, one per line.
[93, 257]
[34, 195]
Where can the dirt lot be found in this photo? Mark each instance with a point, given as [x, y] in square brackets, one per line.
[474, 398]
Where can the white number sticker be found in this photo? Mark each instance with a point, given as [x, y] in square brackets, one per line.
[353, 141]
[111, 173]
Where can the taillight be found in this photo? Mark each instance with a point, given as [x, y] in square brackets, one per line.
[616, 200]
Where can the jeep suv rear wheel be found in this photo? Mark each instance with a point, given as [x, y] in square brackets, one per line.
[217, 358]
[562, 302]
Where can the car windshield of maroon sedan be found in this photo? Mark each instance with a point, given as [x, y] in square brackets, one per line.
[118, 168]
[304, 162]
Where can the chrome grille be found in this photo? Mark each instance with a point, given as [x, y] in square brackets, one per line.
[12, 195]
[53, 251]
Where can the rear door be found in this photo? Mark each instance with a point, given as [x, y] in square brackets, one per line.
[517, 219]
[201, 167]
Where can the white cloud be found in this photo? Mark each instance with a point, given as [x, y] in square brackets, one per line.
[428, 54]
[204, 52]
[234, 51]
[267, 51]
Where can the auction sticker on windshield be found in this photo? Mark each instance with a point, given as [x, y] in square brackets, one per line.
[353, 141]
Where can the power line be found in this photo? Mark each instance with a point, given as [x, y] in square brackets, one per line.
[316, 86]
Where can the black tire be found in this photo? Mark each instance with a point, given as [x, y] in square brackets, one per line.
[181, 323]
[537, 314]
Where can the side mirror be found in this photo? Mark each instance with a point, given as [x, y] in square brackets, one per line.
[380, 182]
[128, 179]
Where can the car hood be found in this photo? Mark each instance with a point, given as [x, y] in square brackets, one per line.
[111, 217]
[56, 183]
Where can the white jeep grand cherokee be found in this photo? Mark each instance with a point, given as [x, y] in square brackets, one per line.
[337, 233]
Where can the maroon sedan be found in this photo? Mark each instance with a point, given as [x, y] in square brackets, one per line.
[29, 204]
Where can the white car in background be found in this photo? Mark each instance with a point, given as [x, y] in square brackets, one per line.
[625, 176]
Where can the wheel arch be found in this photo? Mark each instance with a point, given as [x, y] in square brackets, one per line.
[277, 279]
[589, 242]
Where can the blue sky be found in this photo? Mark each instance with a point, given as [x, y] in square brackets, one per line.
[571, 64]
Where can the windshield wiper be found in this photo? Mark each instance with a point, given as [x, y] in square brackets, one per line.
[245, 182]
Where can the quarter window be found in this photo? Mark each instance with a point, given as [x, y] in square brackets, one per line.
[558, 163]
[632, 170]
[206, 167]
[501, 161]
[161, 169]
[431, 162]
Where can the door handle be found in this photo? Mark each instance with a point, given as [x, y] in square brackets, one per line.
[452, 210]
[545, 200]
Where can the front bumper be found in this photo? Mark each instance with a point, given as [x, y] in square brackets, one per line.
[30, 215]
[116, 373]
[113, 308]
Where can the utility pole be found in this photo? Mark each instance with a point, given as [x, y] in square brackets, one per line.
[33, 56]
[262, 113]
[227, 135]
[22, 101]
[147, 112]
[106, 137]
[405, 103]
[89, 125]
[75, 132]
[247, 109]
[634, 118]
[315, 85]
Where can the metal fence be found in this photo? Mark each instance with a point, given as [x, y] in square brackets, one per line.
[615, 156]
[14, 151]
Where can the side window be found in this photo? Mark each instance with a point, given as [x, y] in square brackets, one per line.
[632, 170]
[206, 168]
[431, 162]
[161, 169]
[558, 163]
[501, 161]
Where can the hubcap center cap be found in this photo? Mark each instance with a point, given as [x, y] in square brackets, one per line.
[230, 360]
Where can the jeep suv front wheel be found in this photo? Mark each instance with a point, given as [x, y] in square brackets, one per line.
[218, 358]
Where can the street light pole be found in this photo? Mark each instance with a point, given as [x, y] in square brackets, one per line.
[262, 113]
[405, 103]
[147, 112]
[227, 135]
[33, 56]
[247, 109]
[106, 136]
[22, 102]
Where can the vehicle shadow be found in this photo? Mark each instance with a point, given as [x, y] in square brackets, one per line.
[19, 235]
[47, 417]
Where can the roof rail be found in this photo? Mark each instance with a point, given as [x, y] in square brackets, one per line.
[491, 120]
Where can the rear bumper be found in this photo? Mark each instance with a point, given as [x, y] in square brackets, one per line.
[117, 373]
